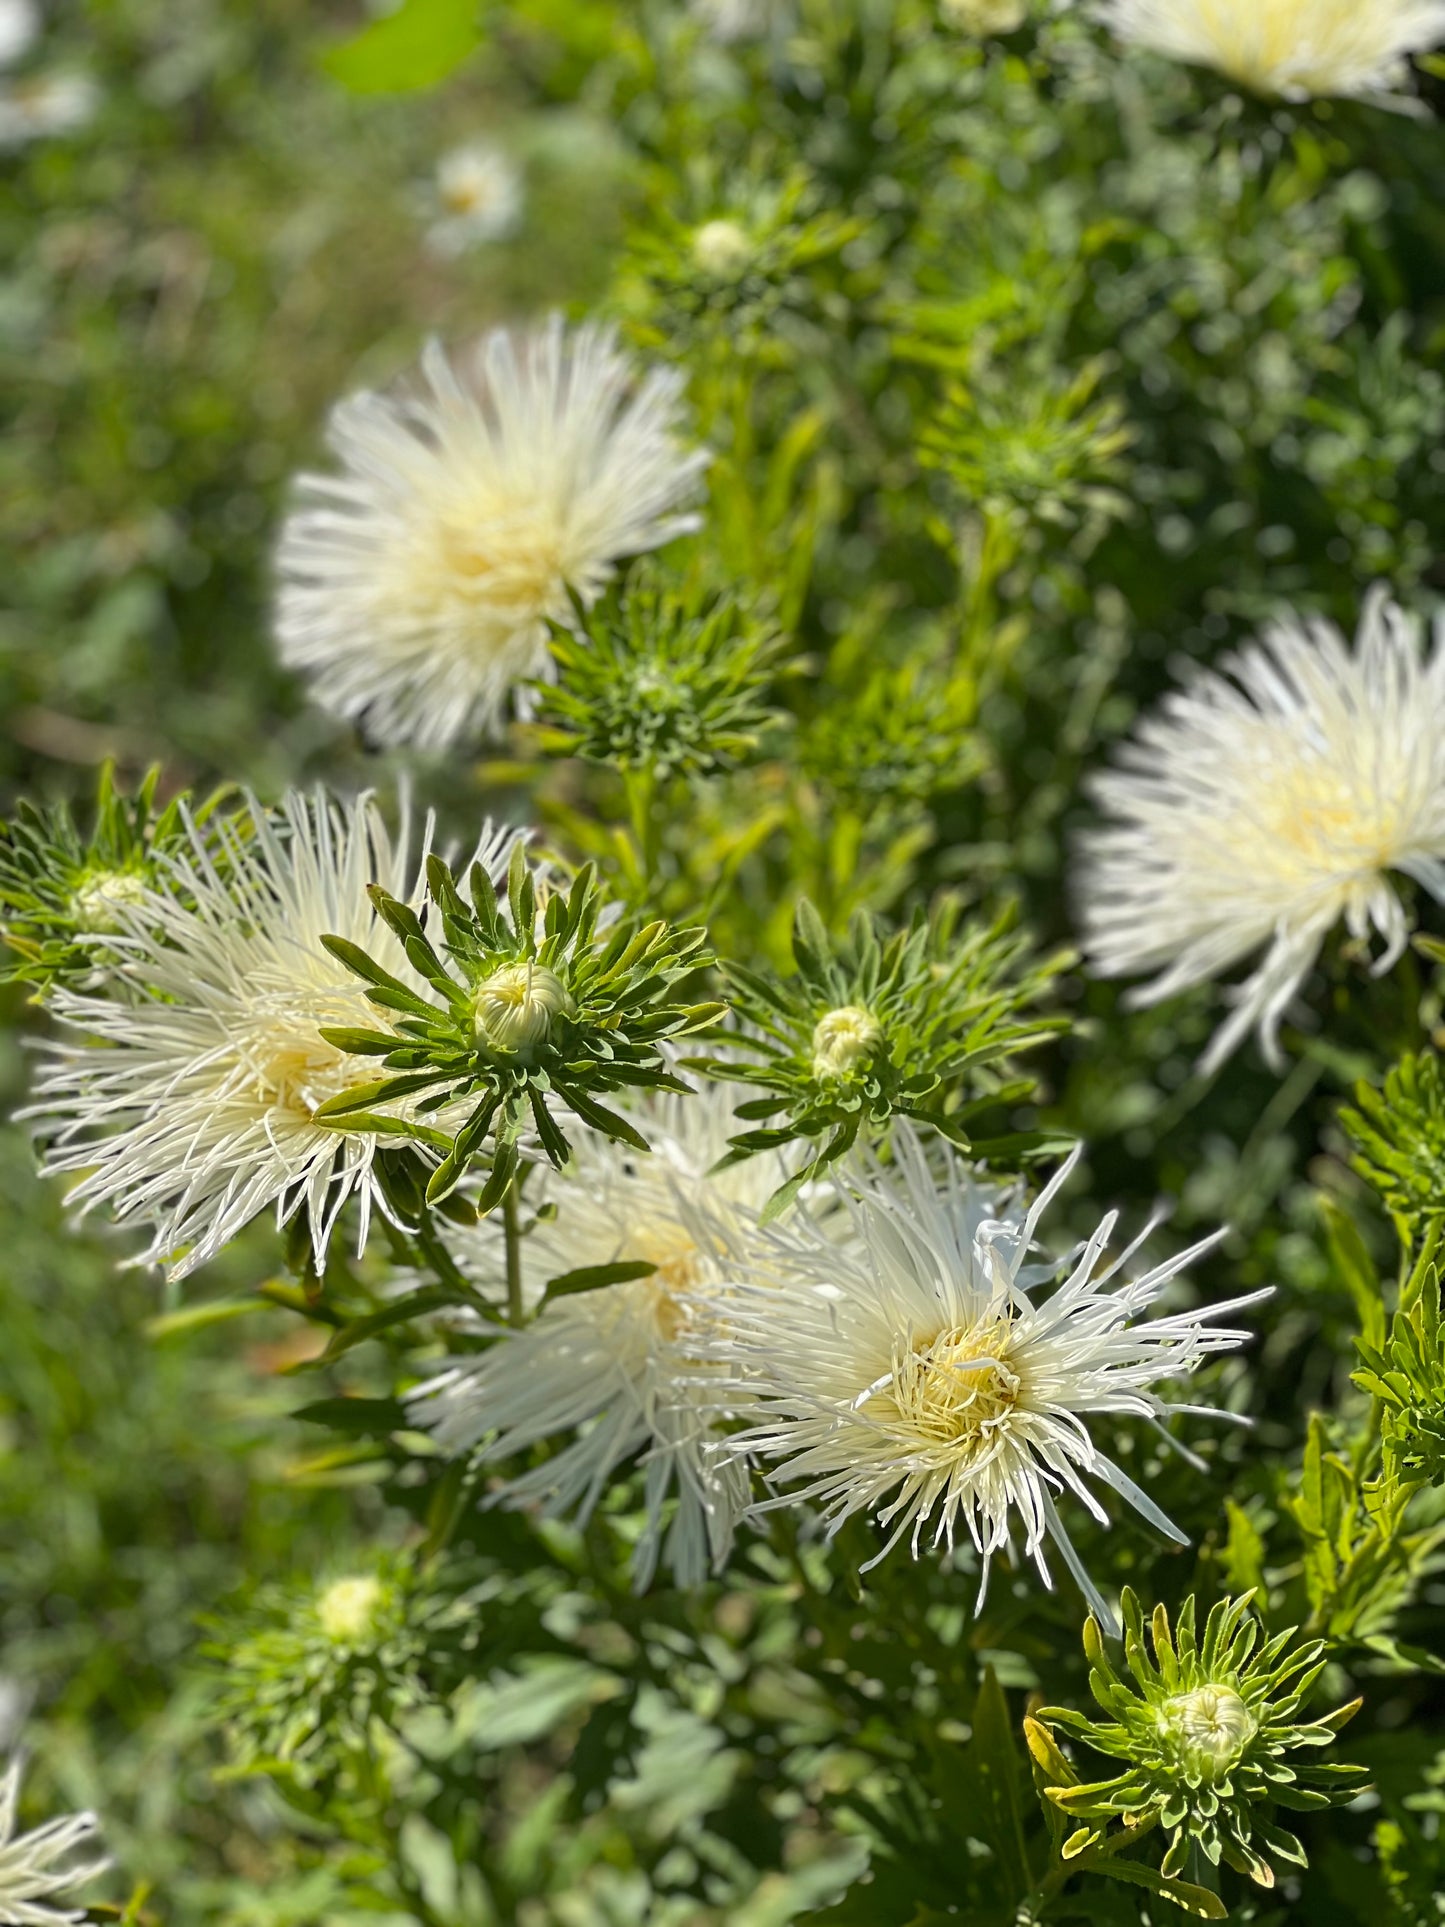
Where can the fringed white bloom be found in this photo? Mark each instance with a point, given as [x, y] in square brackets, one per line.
[920, 1373]
[19, 29]
[416, 585]
[35, 1868]
[1262, 805]
[479, 193]
[1296, 49]
[621, 1363]
[45, 106]
[198, 1108]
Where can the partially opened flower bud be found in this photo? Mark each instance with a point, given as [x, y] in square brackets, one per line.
[842, 1038]
[515, 1007]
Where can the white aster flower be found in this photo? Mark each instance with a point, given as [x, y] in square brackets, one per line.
[44, 106]
[19, 29]
[35, 1868]
[199, 1108]
[479, 193]
[921, 1374]
[1295, 49]
[620, 1364]
[416, 586]
[1262, 805]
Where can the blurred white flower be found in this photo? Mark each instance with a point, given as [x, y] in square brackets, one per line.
[621, 1362]
[918, 1372]
[198, 1108]
[1262, 805]
[728, 21]
[417, 584]
[1298, 49]
[43, 106]
[985, 16]
[35, 1868]
[479, 191]
[19, 28]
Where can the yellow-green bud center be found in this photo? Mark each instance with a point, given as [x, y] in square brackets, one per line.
[516, 1006]
[1209, 1727]
[103, 895]
[721, 247]
[985, 16]
[348, 1610]
[842, 1038]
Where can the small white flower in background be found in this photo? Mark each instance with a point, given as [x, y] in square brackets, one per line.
[36, 1868]
[479, 192]
[919, 1373]
[44, 106]
[1262, 805]
[416, 585]
[985, 16]
[621, 1362]
[1296, 49]
[729, 21]
[19, 29]
[198, 1111]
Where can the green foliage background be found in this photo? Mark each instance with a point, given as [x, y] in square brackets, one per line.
[1149, 360]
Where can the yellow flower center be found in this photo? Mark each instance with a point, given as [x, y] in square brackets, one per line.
[956, 1389]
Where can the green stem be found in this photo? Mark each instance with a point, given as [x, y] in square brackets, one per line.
[641, 789]
[511, 1220]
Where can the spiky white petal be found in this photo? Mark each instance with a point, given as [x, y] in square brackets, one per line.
[417, 584]
[36, 1868]
[189, 1101]
[920, 1374]
[620, 1364]
[1262, 805]
[1296, 49]
[479, 194]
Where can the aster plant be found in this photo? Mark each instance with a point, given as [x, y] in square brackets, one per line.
[1213, 1743]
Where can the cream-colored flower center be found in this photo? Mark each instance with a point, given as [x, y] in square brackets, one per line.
[842, 1038]
[1318, 45]
[348, 1609]
[514, 564]
[1313, 822]
[721, 247]
[956, 1389]
[287, 1067]
[1210, 1727]
[515, 1008]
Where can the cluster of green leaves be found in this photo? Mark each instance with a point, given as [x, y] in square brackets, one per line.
[59, 889]
[541, 1007]
[662, 681]
[1207, 1733]
[922, 1023]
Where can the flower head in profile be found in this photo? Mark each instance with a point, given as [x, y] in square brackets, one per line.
[921, 1373]
[1261, 806]
[619, 1364]
[1293, 49]
[198, 1108]
[417, 584]
[36, 1868]
[479, 197]
[1210, 1737]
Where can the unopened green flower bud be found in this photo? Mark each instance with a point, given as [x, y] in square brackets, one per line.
[516, 1006]
[721, 247]
[349, 1609]
[102, 896]
[1208, 1728]
[842, 1038]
